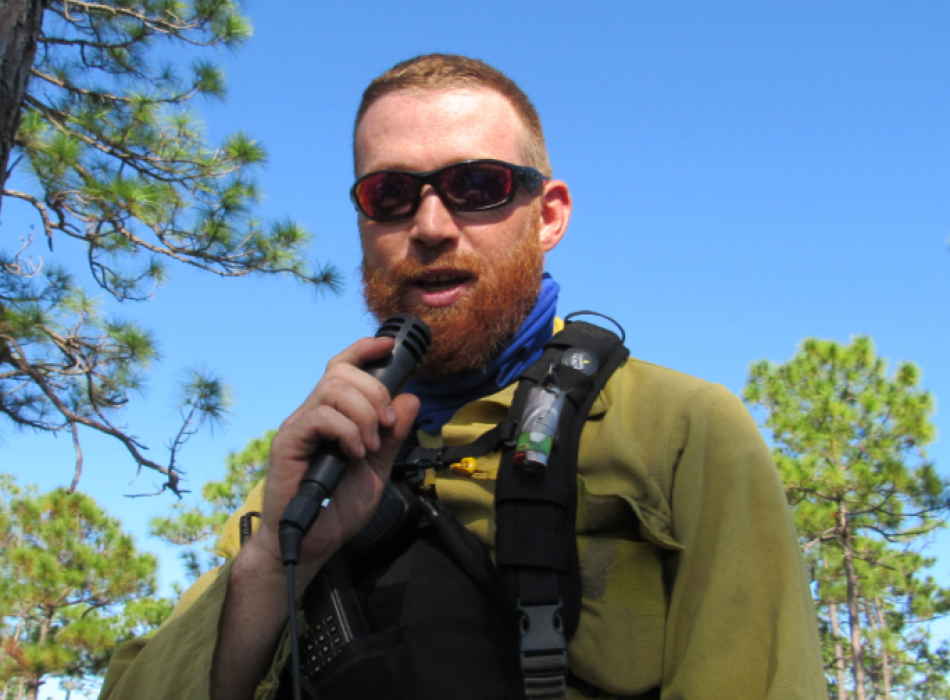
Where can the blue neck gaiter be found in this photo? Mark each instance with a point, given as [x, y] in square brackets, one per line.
[440, 400]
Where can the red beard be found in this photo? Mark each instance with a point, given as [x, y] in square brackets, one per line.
[471, 331]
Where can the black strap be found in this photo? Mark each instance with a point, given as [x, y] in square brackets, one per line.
[535, 539]
[414, 457]
[534, 546]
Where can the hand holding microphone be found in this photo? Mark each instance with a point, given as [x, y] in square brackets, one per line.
[326, 468]
[350, 407]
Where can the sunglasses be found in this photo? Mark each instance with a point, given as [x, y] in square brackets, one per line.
[472, 185]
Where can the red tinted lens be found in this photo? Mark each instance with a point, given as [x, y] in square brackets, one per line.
[471, 186]
[387, 195]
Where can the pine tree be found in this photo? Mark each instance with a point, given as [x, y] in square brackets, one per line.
[196, 528]
[850, 443]
[72, 587]
[125, 181]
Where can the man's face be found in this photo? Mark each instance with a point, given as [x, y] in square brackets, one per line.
[472, 276]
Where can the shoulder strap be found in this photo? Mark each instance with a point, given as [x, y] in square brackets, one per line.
[535, 542]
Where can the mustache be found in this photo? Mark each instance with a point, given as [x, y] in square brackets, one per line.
[407, 271]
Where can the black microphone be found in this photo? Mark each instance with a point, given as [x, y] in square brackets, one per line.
[413, 339]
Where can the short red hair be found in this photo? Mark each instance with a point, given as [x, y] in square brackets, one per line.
[437, 71]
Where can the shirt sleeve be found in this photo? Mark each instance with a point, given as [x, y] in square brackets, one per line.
[741, 622]
[176, 661]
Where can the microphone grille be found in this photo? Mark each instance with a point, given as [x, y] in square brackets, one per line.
[410, 331]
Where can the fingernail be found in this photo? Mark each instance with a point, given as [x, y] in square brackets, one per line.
[391, 414]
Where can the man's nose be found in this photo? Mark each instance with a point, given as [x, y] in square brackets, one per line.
[433, 224]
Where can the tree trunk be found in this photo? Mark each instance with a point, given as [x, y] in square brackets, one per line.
[854, 613]
[839, 652]
[9, 685]
[885, 665]
[36, 680]
[20, 22]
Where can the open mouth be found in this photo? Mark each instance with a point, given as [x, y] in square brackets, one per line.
[442, 287]
[442, 282]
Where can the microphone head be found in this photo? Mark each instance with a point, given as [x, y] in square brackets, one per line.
[410, 331]
[413, 339]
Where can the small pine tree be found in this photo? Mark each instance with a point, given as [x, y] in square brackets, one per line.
[72, 587]
[850, 444]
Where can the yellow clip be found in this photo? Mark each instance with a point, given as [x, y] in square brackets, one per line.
[466, 467]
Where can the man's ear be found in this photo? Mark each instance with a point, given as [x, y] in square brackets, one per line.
[555, 213]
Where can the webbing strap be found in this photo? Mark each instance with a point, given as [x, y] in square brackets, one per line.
[533, 546]
[416, 457]
[536, 545]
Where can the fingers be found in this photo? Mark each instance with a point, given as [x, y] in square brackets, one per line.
[352, 420]
[352, 408]
[405, 406]
[347, 405]
[347, 367]
[348, 409]
[362, 351]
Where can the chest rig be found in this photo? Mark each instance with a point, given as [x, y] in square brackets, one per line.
[419, 610]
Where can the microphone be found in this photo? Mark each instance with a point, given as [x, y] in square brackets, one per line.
[328, 463]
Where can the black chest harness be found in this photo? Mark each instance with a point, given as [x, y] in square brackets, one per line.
[413, 607]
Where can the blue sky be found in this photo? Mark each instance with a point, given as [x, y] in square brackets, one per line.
[745, 175]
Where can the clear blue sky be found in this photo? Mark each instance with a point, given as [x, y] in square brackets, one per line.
[745, 175]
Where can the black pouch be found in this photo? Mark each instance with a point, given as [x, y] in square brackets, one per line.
[424, 618]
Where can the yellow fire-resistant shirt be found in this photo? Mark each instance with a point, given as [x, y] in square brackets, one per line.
[693, 581]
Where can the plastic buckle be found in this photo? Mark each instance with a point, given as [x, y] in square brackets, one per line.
[509, 433]
[543, 652]
[421, 458]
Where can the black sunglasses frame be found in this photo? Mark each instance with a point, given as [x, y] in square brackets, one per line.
[522, 176]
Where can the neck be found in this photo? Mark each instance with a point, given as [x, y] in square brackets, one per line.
[442, 398]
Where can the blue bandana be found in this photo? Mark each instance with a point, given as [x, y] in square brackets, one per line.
[440, 400]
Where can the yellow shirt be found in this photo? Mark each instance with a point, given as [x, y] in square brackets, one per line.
[693, 581]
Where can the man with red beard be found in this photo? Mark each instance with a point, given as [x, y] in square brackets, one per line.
[693, 585]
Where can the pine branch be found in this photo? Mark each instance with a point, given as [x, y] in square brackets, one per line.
[71, 418]
[77, 448]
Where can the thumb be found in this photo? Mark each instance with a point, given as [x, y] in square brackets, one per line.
[391, 439]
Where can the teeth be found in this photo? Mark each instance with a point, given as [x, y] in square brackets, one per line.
[442, 281]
